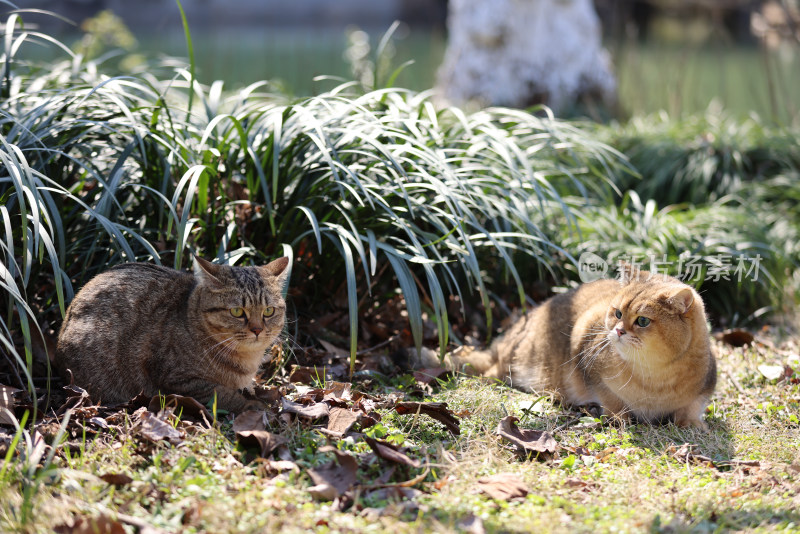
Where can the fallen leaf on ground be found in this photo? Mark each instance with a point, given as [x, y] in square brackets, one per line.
[390, 452]
[771, 372]
[99, 422]
[338, 391]
[269, 394]
[7, 401]
[116, 479]
[77, 398]
[308, 375]
[184, 407]
[312, 411]
[271, 468]
[686, 453]
[323, 492]
[393, 493]
[101, 524]
[735, 337]
[503, 486]
[537, 441]
[341, 419]
[428, 375]
[437, 410]
[471, 524]
[340, 474]
[156, 430]
[578, 483]
[333, 349]
[261, 439]
[250, 420]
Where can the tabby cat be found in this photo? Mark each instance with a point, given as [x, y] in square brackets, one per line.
[142, 328]
[638, 346]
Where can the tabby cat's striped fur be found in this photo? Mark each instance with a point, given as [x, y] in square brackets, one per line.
[142, 328]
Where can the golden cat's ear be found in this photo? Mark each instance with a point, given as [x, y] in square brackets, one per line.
[205, 270]
[627, 272]
[277, 269]
[682, 300]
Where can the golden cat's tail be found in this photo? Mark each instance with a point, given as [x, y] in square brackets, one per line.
[467, 360]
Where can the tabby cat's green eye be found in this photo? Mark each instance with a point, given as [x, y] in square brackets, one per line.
[642, 321]
[618, 314]
[237, 312]
[269, 311]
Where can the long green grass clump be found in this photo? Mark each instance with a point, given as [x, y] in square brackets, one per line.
[371, 192]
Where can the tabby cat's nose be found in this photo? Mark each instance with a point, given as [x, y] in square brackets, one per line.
[256, 330]
[620, 332]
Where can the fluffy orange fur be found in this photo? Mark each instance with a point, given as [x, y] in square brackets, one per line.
[638, 346]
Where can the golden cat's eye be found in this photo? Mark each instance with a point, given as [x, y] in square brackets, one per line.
[237, 312]
[618, 314]
[642, 321]
[269, 311]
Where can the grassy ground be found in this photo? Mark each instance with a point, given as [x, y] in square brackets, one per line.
[744, 475]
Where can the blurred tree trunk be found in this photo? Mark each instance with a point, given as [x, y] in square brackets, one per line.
[524, 52]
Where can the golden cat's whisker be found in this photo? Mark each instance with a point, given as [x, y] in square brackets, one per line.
[630, 377]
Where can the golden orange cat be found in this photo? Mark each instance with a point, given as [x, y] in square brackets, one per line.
[635, 346]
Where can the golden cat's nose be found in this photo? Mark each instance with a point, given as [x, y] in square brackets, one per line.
[620, 331]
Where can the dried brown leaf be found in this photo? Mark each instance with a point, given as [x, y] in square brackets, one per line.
[437, 410]
[323, 492]
[155, 429]
[341, 419]
[333, 349]
[503, 486]
[101, 524]
[771, 372]
[8, 402]
[77, 399]
[139, 401]
[687, 453]
[526, 440]
[392, 453]
[271, 468]
[185, 407]
[338, 391]
[308, 375]
[99, 422]
[116, 479]
[736, 337]
[269, 394]
[250, 420]
[428, 375]
[339, 474]
[312, 411]
[471, 524]
[261, 439]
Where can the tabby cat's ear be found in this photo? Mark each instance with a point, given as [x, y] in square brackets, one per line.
[682, 299]
[205, 270]
[277, 269]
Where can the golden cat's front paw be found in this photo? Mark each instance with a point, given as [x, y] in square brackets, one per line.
[684, 420]
[692, 416]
